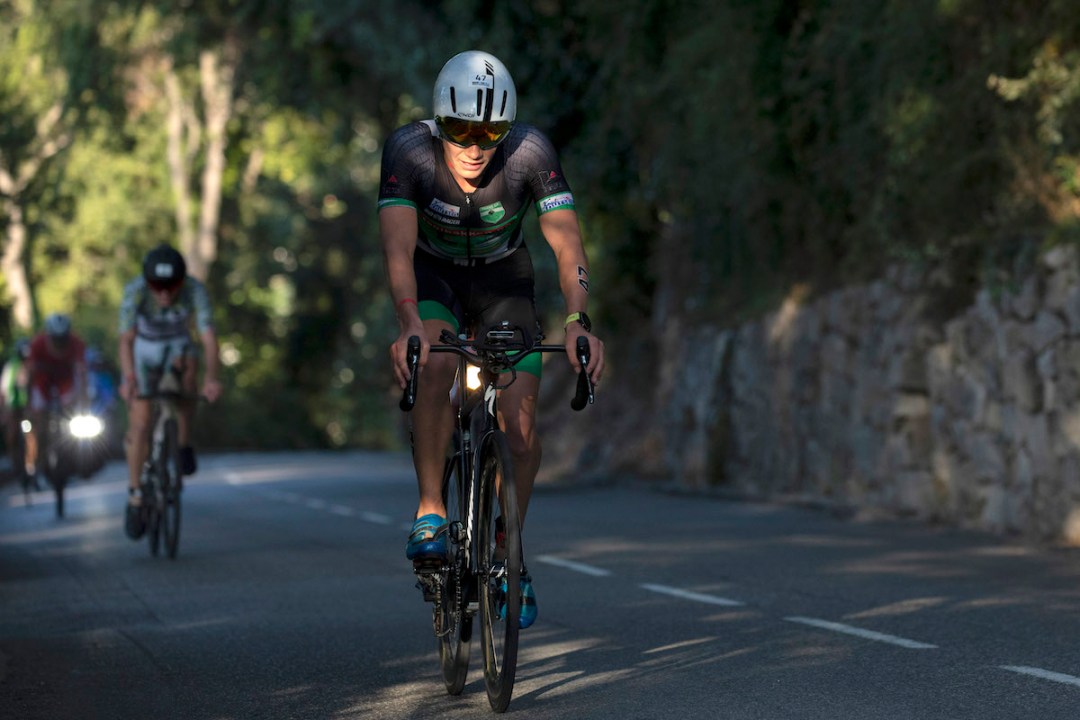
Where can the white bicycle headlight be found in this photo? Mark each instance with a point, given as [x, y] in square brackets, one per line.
[472, 377]
[86, 427]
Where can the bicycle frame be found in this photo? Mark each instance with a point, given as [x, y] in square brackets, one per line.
[162, 494]
[481, 468]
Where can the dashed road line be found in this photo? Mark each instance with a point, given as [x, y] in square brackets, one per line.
[572, 565]
[377, 518]
[688, 595]
[1043, 674]
[860, 632]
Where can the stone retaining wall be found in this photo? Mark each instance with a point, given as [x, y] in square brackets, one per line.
[861, 397]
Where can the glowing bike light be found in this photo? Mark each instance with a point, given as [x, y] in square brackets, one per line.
[86, 427]
[472, 377]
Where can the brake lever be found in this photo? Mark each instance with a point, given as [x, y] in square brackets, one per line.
[584, 395]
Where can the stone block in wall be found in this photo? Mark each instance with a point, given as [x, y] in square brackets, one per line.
[987, 458]
[1066, 436]
[1071, 310]
[1033, 433]
[908, 372]
[1025, 302]
[1047, 329]
[992, 503]
[1021, 382]
[1063, 263]
[950, 483]
[913, 493]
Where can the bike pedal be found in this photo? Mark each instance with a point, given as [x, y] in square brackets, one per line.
[428, 566]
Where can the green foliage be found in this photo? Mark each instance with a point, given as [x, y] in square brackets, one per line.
[720, 152]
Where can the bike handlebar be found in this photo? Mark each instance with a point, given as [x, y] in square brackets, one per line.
[582, 397]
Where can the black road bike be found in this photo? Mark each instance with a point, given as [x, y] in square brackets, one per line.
[162, 481]
[51, 458]
[479, 579]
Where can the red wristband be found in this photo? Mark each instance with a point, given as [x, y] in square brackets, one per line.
[406, 300]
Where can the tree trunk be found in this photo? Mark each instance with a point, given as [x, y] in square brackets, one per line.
[52, 137]
[217, 90]
[14, 269]
[186, 132]
[180, 130]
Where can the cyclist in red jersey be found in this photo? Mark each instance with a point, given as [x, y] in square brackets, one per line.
[56, 363]
[454, 192]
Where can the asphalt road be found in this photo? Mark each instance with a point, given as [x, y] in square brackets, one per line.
[291, 598]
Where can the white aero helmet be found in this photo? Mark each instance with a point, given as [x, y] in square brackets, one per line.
[475, 100]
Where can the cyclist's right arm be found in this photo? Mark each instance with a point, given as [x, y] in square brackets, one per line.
[126, 348]
[397, 232]
[126, 353]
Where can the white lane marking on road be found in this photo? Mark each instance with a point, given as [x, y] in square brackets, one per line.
[377, 518]
[1043, 674]
[342, 510]
[315, 503]
[859, 632]
[687, 595]
[572, 565]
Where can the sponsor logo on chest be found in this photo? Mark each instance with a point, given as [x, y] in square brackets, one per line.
[444, 211]
[492, 213]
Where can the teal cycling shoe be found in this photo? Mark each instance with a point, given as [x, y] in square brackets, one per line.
[528, 602]
[428, 538]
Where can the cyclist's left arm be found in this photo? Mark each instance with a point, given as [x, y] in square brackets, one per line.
[211, 384]
[562, 232]
[204, 323]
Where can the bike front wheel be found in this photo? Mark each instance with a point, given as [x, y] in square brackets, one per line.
[169, 471]
[499, 567]
[458, 585]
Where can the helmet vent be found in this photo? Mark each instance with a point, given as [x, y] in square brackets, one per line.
[502, 109]
[453, 99]
[479, 102]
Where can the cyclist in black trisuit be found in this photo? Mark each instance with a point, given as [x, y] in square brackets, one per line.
[453, 193]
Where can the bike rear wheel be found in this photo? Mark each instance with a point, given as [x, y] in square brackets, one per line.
[18, 462]
[458, 585]
[499, 566]
[169, 474]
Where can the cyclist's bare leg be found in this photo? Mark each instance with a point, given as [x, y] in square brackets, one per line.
[37, 421]
[137, 442]
[517, 416]
[433, 423]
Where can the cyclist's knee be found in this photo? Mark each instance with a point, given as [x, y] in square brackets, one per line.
[521, 437]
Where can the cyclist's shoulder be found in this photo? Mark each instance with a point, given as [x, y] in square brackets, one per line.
[134, 288]
[527, 146]
[528, 137]
[411, 139]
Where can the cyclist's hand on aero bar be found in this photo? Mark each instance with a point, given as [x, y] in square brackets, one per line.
[596, 351]
[399, 352]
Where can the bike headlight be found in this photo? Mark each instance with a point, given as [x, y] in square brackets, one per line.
[472, 377]
[86, 427]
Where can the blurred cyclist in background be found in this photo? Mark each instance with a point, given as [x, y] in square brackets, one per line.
[55, 365]
[157, 313]
[14, 396]
[102, 384]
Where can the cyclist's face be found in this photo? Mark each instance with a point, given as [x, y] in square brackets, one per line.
[467, 163]
[165, 296]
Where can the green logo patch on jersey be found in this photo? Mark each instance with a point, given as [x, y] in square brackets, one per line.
[492, 213]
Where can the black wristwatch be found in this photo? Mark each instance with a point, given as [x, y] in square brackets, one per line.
[580, 318]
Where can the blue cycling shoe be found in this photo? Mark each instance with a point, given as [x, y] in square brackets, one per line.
[428, 538]
[528, 602]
